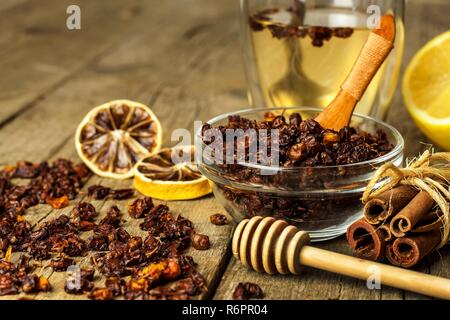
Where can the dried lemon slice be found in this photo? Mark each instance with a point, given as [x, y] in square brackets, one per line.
[114, 136]
[171, 175]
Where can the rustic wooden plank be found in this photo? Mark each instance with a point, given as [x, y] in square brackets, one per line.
[7, 4]
[37, 51]
[142, 70]
[311, 284]
[139, 73]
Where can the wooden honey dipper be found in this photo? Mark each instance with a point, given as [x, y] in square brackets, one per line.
[378, 46]
[272, 246]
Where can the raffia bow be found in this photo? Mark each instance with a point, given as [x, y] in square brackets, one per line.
[430, 173]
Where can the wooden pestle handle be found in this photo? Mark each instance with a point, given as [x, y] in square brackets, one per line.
[378, 46]
[270, 245]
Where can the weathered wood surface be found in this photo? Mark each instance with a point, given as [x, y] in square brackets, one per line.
[140, 68]
[313, 284]
[181, 57]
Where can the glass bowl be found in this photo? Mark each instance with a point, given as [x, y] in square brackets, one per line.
[322, 200]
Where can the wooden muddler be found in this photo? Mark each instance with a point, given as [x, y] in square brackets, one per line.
[272, 246]
[374, 52]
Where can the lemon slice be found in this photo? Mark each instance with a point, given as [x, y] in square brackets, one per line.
[426, 89]
[114, 136]
[171, 174]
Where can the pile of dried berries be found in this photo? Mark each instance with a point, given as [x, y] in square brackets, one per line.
[303, 144]
[155, 267]
[150, 263]
[15, 278]
[318, 34]
[54, 184]
[57, 235]
[247, 290]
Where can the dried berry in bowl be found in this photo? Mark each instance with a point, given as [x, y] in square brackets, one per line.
[310, 176]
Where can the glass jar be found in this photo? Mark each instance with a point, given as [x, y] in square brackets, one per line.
[298, 52]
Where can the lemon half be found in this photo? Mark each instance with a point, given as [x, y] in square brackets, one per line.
[426, 89]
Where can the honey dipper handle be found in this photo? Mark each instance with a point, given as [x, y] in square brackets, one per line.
[363, 269]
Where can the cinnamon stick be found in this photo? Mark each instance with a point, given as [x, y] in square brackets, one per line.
[431, 221]
[411, 214]
[388, 203]
[366, 240]
[408, 251]
[385, 232]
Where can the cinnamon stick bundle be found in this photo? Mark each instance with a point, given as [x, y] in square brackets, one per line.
[403, 215]
[398, 225]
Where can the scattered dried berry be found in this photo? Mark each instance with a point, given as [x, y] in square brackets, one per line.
[115, 284]
[16, 278]
[140, 207]
[85, 225]
[121, 194]
[247, 290]
[100, 294]
[200, 241]
[218, 219]
[84, 211]
[61, 263]
[58, 203]
[98, 192]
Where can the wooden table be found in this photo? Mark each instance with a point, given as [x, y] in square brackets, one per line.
[182, 58]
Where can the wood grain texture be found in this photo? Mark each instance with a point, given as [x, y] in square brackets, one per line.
[38, 52]
[139, 68]
[7, 4]
[182, 58]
